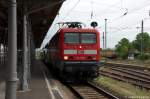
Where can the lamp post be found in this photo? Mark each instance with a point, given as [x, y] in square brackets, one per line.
[105, 39]
[142, 29]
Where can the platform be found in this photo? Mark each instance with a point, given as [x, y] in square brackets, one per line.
[38, 88]
[2, 80]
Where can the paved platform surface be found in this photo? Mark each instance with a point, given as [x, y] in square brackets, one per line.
[2, 78]
[38, 88]
[2, 90]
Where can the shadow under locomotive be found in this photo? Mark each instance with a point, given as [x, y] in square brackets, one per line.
[75, 71]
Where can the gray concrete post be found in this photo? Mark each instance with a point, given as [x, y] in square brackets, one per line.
[11, 82]
[24, 82]
[29, 57]
[29, 50]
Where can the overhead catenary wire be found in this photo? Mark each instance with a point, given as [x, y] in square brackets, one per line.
[115, 5]
[71, 9]
[136, 9]
[129, 12]
[126, 11]
[119, 17]
[108, 6]
[91, 9]
[123, 12]
[131, 27]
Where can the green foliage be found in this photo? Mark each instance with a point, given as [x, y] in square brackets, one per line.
[122, 48]
[142, 40]
[143, 56]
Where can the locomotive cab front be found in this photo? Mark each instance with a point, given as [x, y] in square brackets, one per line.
[80, 51]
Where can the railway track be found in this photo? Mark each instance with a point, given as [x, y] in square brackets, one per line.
[139, 74]
[131, 66]
[134, 76]
[90, 91]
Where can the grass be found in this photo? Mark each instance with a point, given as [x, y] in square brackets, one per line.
[122, 88]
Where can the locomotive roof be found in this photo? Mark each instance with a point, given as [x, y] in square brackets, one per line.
[79, 30]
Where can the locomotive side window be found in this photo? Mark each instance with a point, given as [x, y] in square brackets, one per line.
[71, 37]
[89, 38]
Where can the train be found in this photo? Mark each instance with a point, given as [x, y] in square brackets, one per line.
[74, 52]
[109, 53]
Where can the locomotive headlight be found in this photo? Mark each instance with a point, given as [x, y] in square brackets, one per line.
[80, 46]
[65, 57]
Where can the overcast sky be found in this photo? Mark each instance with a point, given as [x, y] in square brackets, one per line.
[124, 17]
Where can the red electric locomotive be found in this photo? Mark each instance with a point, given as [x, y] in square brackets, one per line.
[74, 51]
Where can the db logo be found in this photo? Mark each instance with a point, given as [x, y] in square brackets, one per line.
[80, 51]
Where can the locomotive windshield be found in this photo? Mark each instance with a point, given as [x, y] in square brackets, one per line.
[71, 38]
[82, 38]
[89, 38]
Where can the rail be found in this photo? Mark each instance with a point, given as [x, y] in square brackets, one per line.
[141, 67]
[134, 76]
[90, 91]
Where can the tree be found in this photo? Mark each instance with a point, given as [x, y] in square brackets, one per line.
[142, 40]
[122, 48]
[142, 44]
